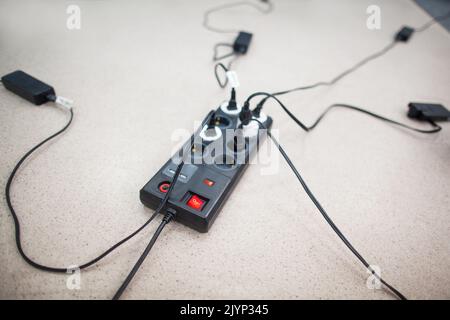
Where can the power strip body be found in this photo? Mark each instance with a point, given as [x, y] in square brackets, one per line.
[206, 180]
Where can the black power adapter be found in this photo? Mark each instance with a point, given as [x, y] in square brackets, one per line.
[404, 34]
[28, 87]
[428, 112]
[242, 42]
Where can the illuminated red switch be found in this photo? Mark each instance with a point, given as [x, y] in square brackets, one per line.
[195, 202]
[208, 182]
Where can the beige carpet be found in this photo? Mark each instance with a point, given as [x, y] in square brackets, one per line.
[138, 70]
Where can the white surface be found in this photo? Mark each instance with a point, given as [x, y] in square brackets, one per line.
[138, 70]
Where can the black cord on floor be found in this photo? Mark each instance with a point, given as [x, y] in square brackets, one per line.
[437, 128]
[222, 84]
[343, 74]
[170, 213]
[327, 217]
[340, 76]
[17, 223]
[360, 64]
[233, 54]
[306, 128]
[167, 218]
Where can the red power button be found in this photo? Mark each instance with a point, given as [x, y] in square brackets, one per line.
[195, 202]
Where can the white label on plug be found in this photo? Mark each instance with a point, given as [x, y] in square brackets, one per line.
[233, 79]
[64, 102]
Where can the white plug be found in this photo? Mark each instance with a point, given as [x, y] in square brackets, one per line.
[207, 136]
[252, 128]
[224, 108]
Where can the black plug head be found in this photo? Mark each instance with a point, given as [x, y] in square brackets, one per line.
[232, 105]
[257, 111]
[246, 114]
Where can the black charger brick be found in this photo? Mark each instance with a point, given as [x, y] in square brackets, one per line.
[404, 34]
[242, 42]
[428, 111]
[28, 87]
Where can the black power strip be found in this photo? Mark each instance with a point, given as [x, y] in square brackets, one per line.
[217, 160]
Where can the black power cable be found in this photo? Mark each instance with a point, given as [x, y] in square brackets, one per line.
[216, 58]
[436, 129]
[361, 63]
[220, 65]
[306, 128]
[170, 214]
[343, 74]
[340, 76]
[326, 216]
[167, 218]
[246, 116]
[17, 222]
[232, 53]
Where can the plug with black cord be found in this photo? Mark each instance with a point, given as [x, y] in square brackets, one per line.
[246, 114]
[250, 119]
[257, 111]
[231, 106]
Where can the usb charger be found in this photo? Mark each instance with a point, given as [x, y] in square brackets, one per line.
[28, 87]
